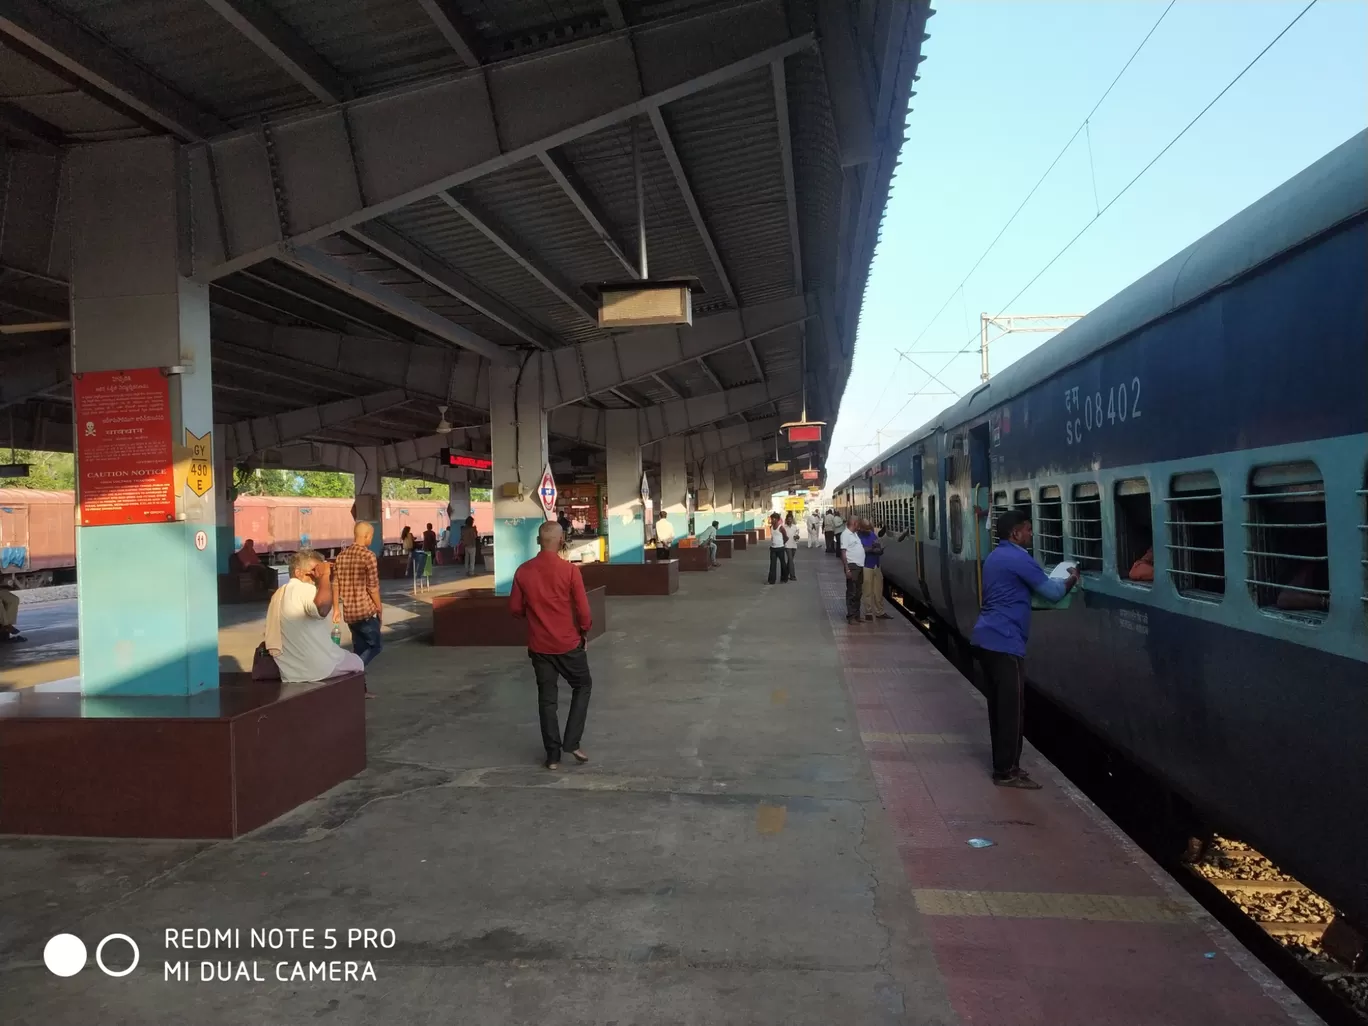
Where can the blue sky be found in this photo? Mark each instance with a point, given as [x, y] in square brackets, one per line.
[1004, 85]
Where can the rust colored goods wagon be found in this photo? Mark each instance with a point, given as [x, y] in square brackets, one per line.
[37, 536]
[281, 524]
[415, 514]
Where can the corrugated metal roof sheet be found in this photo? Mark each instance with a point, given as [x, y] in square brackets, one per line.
[189, 46]
[371, 43]
[727, 141]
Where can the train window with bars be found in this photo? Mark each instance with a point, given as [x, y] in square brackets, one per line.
[1134, 531]
[1049, 527]
[1021, 501]
[911, 526]
[1085, 527]
[955, 516]
[1288, 553]
[999, 506]
[1196, 534]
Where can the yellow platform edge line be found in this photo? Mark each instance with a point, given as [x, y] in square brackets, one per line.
[1108, 908]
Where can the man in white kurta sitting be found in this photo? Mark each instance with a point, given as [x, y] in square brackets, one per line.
[299, 624]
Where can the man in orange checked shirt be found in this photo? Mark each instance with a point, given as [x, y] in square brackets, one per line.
[548, 592]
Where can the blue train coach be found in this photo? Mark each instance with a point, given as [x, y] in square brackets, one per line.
[1216, 413]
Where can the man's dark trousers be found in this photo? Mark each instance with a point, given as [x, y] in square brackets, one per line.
[1006, 676]
[778, 564]
[574, 667]
[830, 540]
[365, 635]
[854, 590]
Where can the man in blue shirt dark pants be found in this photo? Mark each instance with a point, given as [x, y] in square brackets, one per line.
[1010, 576]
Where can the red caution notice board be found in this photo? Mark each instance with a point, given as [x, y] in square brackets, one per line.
[123, 442]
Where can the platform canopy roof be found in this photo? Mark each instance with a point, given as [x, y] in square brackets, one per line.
[385, 196]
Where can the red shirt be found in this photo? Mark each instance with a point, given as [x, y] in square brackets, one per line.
[549, 593]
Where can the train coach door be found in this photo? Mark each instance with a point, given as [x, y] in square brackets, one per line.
[980, 492]
[918, 529]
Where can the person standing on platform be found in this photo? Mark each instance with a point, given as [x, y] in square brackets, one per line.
[814, 528]
[871, 581]
[1010, 576]
[470, 545]
[444, 544]
[791, 530]
[709, 538]
[563, 519]
[853, 555]
[429, 550]
[778, 567]
[664, 534]
[406, 541]
[548, 592]
[356, 583]
[829, 529]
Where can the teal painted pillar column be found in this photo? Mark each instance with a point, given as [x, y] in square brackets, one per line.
[226, 540]
[674, 483]
[625, 513]
[369, 504]
[518, 449]
[724, 507]
[738, 487]
[705, 513]
[148, 598]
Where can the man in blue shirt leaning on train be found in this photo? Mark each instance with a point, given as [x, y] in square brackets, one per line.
[1010, 575]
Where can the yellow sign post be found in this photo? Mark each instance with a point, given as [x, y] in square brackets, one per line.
[794, 503]
[201, 475]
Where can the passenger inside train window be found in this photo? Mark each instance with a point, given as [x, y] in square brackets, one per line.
[1134, 530]
[1142, 570]
[1306, 590]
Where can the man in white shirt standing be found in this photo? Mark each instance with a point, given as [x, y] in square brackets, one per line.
[814, 528]
[664, 532]
[778, 541]
[853, 555]
[306, 650]
[708, 537]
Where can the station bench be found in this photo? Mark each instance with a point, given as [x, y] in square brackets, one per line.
[476, 617]
[215, 764]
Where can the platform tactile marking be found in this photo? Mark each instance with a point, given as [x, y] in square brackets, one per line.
[1107, 908]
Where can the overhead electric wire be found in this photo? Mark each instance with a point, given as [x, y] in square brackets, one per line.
[1140, 174]
[1020, 207]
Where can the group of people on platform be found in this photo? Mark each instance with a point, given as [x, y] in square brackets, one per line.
[422, 554]
[859, 543]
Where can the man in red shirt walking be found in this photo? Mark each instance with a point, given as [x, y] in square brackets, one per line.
[548, 592]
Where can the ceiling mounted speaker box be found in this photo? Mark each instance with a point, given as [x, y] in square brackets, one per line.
[639, 304]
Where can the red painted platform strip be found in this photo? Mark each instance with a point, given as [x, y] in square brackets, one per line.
[1063, 921]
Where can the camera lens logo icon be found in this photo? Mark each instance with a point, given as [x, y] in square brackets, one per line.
[65, 954]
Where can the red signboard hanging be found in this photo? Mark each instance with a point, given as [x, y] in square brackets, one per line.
[812, 475]
[805, 433]
[455, 459]
[123, 447]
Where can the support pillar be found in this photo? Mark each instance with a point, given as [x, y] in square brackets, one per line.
[724, 508]
[226, 541]
[707, 498]
[674, 483]
[518, 449]
[149, 626]
[738, 490]
[369, 505]
[626, 523]
[458, 507]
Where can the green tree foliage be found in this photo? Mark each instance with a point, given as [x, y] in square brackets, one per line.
[481, 495]
[407, 488]
[326, 484]
[48, 471]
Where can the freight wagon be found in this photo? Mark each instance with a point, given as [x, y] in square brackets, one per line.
[38, 539]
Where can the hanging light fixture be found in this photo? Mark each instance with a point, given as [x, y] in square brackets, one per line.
[443, 426]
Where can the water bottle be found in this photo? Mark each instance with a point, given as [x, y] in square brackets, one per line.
[337, 634]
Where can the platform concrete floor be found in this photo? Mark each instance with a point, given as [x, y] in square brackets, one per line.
[724, 858]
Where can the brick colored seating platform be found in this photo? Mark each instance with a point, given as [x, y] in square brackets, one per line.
[693, 558]
[740, 541]
[477, 617]
[724, 547]
[656, 577]
[241, 586]
[213, 765]
[393, 568]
